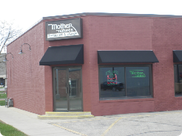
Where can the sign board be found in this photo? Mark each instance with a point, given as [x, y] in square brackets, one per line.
[64, 29]
[137, 73]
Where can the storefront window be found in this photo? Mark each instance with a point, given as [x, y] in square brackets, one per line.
[124, 82]
[137, 81]
[178, 79]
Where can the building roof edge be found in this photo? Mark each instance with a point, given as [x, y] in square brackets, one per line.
[109, 14]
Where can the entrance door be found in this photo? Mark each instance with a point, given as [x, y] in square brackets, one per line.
[67, 89]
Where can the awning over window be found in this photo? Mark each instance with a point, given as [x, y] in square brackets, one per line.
[72, 54]
[126, 57]
[177, 56]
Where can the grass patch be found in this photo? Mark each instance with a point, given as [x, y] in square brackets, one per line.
[2, 103]
[3, 95]
[7, 130]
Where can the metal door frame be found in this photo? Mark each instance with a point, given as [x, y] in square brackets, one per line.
[67, 77]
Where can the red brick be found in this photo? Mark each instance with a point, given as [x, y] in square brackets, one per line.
[30, 85]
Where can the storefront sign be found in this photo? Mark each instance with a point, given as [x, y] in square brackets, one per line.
[64, 29]
[138, 73]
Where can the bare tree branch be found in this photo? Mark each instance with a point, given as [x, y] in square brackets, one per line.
[7, 33]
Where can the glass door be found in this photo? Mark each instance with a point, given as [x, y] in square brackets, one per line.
[60, 89]
[75, 94]
[67, 89]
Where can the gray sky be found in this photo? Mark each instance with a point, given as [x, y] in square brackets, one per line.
[25, 13]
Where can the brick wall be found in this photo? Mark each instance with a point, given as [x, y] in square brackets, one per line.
[31, 85]
[166, 38]
[162, 35]
[25, 77]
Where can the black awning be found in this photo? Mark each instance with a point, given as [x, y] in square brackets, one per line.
[126, 57]
[177, 56]
[72, 54]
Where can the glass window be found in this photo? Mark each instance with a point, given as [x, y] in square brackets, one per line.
[2, 82]
[178, 79]
[124, 81]
[137, 81]
[112, 80]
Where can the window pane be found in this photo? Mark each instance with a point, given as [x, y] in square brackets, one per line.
[2, 82]
[137, 81]
[111, 82]
[178, 79]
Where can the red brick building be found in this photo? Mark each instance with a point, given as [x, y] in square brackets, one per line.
[103, 63]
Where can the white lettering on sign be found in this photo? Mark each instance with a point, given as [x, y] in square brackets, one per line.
[63, 30]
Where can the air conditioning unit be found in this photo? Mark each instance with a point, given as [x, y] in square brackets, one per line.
[9, 102]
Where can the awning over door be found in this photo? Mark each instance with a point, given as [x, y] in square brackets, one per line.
[126, 57]
[72, 54]
[177, 56]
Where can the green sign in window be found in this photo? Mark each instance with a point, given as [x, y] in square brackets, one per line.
[137, 73]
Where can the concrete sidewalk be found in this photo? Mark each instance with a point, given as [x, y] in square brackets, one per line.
[29, 123]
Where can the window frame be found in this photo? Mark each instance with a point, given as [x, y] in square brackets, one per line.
[128, 65]
[177, 76]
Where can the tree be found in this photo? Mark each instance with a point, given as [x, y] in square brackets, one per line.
[8, 33]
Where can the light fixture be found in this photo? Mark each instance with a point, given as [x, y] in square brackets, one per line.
[6, 55]
[21, 51]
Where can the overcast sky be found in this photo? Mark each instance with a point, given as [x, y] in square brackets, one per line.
[25, 13]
